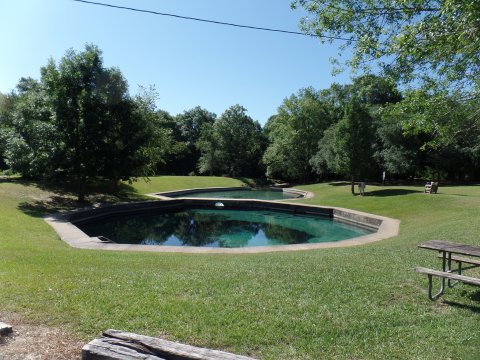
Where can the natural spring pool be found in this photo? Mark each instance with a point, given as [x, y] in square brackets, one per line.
[271, 194]
[232, 228]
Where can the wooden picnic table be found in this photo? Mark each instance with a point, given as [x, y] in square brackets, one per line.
[447, 249]
[451, 248]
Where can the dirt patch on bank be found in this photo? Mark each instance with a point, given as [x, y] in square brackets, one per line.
[33, 342]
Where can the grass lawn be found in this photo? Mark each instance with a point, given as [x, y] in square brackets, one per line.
[363, 302]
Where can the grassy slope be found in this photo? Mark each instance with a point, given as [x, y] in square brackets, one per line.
[360, 302]
[166, 183]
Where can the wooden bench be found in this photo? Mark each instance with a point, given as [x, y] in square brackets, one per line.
[431, 187]
[445, 275]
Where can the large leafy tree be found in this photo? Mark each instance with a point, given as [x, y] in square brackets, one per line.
[175, 159]
[405, 37]
[79, 122]
[443, 130]
[84, 96]
[233, 145]
[399, 154]
[210, 161]
[294, 133]
[371, 90]
[29, 133]
[434, 44]
[133, 144]
[7, 106]
[241, 142]
[347, 147]
[192, 123]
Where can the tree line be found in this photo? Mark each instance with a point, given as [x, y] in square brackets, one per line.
[78, 123]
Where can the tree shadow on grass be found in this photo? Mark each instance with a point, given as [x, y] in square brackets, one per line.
[381, 192]
[96, 191]
[247, 181]
[52, 205]
[475, 296]
[391, 192]
[64, 199]
[18, 180]
[472, 308]
[340, 183]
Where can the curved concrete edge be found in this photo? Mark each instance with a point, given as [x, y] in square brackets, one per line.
[166, 195]
[386, 228]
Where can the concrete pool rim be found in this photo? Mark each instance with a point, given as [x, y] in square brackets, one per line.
[73, 236]
[183, 193]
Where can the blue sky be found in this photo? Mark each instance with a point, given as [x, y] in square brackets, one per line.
[190, 63]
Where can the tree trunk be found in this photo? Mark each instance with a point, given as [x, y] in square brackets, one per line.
[353, 187]
[114, 185]
[81, 190]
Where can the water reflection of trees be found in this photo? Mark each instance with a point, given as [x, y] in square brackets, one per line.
[195, 228]
[131, 230]
[199, 229]
[285, 235]
[203, 229]
[153, 229]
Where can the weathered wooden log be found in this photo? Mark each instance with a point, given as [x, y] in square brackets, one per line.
[5, 329]
[124, 345]
[106, 349]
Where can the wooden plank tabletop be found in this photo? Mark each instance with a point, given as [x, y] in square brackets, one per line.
[451, 247]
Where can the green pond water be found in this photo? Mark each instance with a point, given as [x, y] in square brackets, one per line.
[241, 194]
[221, 228]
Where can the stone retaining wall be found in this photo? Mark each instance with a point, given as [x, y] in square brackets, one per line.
[167, 195]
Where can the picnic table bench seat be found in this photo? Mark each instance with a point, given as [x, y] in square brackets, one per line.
[445, 275]
[462, 278]
[451, 252]
[461, 259]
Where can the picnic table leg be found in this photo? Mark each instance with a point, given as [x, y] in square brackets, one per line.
[430, 286]
[442, 280]
[451, 283]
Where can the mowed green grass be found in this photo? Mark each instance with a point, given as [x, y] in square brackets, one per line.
[363, 302]
[167, 183]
